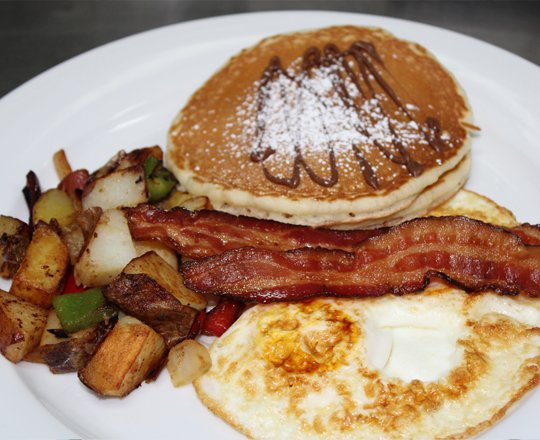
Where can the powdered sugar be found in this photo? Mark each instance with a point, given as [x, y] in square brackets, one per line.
[307, 112]
[336, 108]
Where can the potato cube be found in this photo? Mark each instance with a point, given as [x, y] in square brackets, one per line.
[108, 250]
[129, 353]
[187, 361]
[165, 252]
[171, 280]
[41, 274]
[21, 326]
[56, 204]
[15, 237]
[123, 187]
[142, 297]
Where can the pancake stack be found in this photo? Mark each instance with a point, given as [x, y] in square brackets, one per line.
[342, 127]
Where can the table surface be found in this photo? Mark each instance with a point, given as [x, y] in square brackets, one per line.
[36, 35]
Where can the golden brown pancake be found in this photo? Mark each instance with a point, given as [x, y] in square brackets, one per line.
[343, 126]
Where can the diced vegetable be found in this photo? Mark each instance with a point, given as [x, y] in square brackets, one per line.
[129, 353]
[15, 237]
[123, 160]
[171, 280]
[53, 333]
[179, 199]
[54, 203]
[72, 354]
[63, 352]
[168, 254]
[139, 156]
[198, 324]
[221, 317]
[141, 296]
[121, 188]
[73, 185]
[77, 234]
[78, 311]
[21, 326]
[61, 164]
[70, 285]
[152, 291]
[187, 361]
[159, 180]
[109, 249]
[41, 274]
[31, 192]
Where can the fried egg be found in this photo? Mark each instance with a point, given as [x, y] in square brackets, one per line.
[438, 364]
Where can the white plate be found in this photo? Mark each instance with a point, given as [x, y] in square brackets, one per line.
[125, 94]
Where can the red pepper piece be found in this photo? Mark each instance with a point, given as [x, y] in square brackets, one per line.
[221, 317]
[70, 285]
[197, 325]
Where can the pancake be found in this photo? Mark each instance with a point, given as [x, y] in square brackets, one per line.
[438, 364]
[344, 127]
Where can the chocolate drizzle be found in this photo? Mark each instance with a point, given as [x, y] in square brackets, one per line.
[343, 77]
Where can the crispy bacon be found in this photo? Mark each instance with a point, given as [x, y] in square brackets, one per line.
[205, 233]
[530, 234]
[468, 253]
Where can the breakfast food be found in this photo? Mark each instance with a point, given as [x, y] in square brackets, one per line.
[440, 364]
[436, 365]
[205, 233]
[402, 259]
[345, 127]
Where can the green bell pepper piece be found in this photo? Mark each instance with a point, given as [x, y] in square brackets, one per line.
[159, 180]
[77, 311]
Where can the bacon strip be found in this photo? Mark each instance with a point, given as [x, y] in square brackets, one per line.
[205, 233]
[530, 234]
[468, 253]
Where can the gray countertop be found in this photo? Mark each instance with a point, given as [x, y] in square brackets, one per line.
[36, 35]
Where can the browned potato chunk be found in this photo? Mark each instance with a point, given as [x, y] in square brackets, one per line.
[123, 187]
[124, 358]
[41, 274]
[165, 252]
[139, 156]
[122, 160]
[21, 326]
[65, 353]
[56, 204]
[171, 280]
[15, 237]
[109, 249]
[141, 296]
